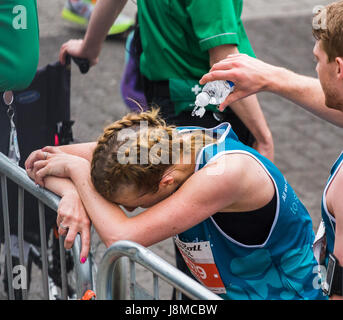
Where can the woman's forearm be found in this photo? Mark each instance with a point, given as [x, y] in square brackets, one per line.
[59, 186]
[107, 218]
[111, 223]
[102, 18]
[83, 150]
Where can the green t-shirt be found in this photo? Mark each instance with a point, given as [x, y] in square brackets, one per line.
[19, 43]
[177, 34]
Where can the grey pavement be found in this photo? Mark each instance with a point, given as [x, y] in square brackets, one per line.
[280, 32]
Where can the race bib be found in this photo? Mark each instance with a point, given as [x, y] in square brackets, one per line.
[199, 259]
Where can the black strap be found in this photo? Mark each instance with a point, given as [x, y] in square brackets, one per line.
[337, 281]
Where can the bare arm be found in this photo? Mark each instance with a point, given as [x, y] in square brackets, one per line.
[248, 109]
[83, 150]
[102, 18]
[197, 199]
[304, 91]
[251, 76]
[156, 223]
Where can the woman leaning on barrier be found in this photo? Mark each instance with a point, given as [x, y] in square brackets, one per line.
[239, 225]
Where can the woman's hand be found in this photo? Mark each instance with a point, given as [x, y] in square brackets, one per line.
[36, 156]
[52, 162]
[73, 219]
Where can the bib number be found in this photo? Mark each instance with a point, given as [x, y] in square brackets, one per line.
[199, 259]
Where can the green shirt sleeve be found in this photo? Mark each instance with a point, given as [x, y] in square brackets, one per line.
[214, 22]
[19, 43]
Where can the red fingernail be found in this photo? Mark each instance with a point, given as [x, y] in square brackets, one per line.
[83, 260]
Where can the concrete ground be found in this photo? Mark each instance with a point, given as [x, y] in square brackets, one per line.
[280, 32]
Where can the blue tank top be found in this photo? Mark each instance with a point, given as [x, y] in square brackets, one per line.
[280, 268]
[329, 220]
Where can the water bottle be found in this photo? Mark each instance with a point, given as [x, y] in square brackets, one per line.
[214, 92]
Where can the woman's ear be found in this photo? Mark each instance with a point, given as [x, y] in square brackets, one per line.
[167, 180]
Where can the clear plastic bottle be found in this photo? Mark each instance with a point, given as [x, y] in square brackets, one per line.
[214, 92]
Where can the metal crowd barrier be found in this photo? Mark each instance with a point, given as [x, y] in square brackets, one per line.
[109, 287]
[111, 275]
[83, 272]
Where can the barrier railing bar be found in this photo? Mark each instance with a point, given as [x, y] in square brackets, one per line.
[156, 289]
[83, 272]
[178, 295]
[18, 175]
[118, 287]
[64, 279]
[132, 280]
[21, 235]
[7, 236]
[152, 262]
[44, 256]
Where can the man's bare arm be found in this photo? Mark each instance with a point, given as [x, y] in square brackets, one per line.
[102, 18]
[251, 76]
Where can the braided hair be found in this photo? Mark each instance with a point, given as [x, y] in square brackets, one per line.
[136, 151]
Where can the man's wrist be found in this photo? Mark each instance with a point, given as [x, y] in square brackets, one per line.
[274, 79]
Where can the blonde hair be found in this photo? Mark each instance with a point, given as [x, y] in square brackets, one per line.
[141, 155]
[327, 26]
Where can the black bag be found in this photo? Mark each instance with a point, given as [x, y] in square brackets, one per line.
[42, 117]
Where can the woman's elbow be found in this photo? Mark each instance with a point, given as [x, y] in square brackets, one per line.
[109, 242]
[111, 238]
[123, 234]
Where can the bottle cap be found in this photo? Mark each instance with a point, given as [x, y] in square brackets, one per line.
[202, 99]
